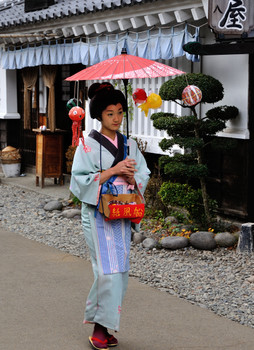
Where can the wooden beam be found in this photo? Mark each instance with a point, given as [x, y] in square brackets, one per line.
[205, 7]
[124, 24]
[58, 33]
[67, 32]
[100, 28]
[77, 30]
[88, 29]
[14, 41]
[7, 40]
[166, 18]
[151, 20]
[137, 22]
[198, 13]
[182, 15]
[30, 39]
[34, 35]
[112, 26]
[23, 40]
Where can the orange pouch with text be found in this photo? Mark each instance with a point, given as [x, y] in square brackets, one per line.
[123, 206]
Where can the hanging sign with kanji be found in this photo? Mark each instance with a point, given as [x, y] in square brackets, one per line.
[231, 17]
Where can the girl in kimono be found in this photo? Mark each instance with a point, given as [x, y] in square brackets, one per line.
[98, 158]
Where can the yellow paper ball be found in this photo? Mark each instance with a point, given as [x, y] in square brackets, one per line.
[154, 101]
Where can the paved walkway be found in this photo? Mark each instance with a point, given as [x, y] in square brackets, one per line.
[28, 182]
[42, 299]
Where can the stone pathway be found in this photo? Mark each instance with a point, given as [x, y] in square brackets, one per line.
[220, 280]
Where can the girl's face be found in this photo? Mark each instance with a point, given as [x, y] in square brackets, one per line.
[112, 118]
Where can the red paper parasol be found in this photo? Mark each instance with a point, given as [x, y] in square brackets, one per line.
[125, 67]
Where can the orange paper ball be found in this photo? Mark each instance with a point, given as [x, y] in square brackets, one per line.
[77, 113]
[139, 96]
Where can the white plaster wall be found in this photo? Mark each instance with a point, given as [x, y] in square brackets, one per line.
[42, 94]
[8, 95]
[3, 100]
[232, 72]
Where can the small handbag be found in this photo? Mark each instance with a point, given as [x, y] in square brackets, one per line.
[116, 206]
[122, 206]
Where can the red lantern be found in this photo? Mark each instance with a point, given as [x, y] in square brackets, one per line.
[76, 114]
[191, 95]
[139, 96]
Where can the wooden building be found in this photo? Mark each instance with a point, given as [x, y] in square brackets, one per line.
[43, 42]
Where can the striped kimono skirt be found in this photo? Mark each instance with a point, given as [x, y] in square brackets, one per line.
[109, 245]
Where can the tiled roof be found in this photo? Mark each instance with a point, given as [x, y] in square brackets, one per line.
[70, 19]
[12, 12]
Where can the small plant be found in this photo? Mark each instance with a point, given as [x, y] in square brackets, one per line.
[75, 200]
[120, 86]
[159, 214]
[152, 198]
[142, 145]
[179, 216]
[69, 156]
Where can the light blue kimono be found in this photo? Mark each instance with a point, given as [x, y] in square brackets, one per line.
[108, 241]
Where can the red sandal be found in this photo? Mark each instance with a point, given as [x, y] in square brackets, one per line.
[98, 344]
[112, 341]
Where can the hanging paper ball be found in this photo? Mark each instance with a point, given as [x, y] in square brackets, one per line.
[73, 103]
[153, 101]
[76, 114]
[191, 95]
[139, 96]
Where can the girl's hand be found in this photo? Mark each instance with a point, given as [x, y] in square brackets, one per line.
[125, 168]
[130, 179]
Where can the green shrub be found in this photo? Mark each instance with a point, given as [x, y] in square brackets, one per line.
[223, 113]
[212, 89]
[183, 195]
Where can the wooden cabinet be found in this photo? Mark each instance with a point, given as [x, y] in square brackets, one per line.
[49, 156]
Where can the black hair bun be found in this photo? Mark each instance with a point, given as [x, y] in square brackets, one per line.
[102, 95]
[96, 88]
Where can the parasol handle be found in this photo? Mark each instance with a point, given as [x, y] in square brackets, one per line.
[125, 82]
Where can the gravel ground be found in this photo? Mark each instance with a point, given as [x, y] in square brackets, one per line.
[221, 280]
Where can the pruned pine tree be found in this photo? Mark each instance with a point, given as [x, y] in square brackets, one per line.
[193, 133]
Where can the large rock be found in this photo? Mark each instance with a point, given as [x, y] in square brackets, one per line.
[138, 237]
[174, 242]
[250, 279]
[225, 239]
[171, 220]
[71, 213]
[203, 240]
[246, 238]
[53, 205]
[149, 243]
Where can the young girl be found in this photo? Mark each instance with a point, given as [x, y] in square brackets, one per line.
[98, 158]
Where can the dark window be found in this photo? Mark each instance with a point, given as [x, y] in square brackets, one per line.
[35, 5]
